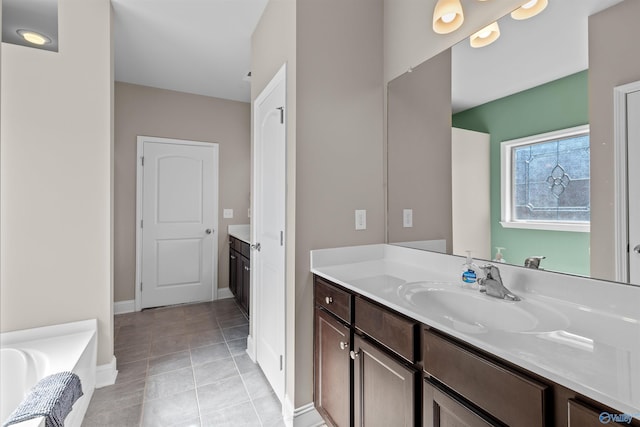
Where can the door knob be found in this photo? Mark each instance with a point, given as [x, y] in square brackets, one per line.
[208, 231]
[637, 249]
[257, 247]
[344, 345]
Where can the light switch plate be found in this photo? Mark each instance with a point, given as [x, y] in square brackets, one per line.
[361, 219]
[407, 218]
[227, 213]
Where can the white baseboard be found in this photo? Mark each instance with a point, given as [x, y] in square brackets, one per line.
[122, 307]
[304, 416]
[106, 374]
[224, 293]
[251, 348]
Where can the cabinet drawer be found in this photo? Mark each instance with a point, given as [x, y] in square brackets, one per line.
[394, 331]
[333, 299]
[245, 249]
[507, 395]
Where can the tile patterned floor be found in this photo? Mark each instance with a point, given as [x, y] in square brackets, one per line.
[185, 366]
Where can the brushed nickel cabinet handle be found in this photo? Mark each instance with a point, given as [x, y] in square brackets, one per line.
[344, 345]
[354, 354]
[328, 300]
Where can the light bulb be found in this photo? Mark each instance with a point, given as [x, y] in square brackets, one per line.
[449, 17]
[34, 38]
[530, 4]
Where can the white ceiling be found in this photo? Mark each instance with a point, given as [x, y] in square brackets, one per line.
[203, 47]
[528, 53]
[193, 46]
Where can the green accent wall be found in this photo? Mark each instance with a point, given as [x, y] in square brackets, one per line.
[559, 104]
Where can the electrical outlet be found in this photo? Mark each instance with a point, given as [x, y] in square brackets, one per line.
[361, 219]
[407, 218]
[227, 213]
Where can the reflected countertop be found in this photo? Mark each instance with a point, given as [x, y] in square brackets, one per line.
[594, 350]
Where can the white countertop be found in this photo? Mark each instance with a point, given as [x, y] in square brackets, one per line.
[596, 351]
[240, 231]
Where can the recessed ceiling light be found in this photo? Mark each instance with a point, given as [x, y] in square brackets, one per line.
[33, 37]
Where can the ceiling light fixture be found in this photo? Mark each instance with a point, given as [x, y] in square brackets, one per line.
[33, 37]
[529, 9]
[485, 36]
[447, 16]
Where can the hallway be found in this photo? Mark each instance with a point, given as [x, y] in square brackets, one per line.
[185, 366]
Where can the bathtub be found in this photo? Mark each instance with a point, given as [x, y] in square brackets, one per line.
[29, 355]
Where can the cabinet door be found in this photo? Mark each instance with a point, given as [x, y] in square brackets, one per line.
[581, 415]
[441, 410]
[233, 271]
[332, 370]
[245, 283]
[384, 388]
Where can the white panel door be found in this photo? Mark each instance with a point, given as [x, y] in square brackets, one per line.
[633, 155]
[179, 217]
[269, 224]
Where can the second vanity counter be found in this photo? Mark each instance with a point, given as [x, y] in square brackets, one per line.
[581, 333]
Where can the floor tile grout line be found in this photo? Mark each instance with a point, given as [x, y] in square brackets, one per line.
[244, 384]
[195, 388]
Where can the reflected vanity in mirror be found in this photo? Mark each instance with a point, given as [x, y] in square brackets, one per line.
[534, 79]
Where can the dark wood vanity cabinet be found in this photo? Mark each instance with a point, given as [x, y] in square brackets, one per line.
[384, 387]
[332, 344]
[403, 373]
[240, 271]
[333, 369]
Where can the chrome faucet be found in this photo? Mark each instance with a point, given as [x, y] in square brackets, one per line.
[492, 285]
[533, 261]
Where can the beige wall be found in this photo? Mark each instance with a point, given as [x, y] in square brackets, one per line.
[273, 44]
[56, 177]
[334, 143]
[141, 110]
[419, 152]
[613, 61]
[339, 145]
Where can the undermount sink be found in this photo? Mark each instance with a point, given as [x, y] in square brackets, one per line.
[474, 312]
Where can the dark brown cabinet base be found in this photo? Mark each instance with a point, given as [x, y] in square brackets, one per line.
[384, 388]
[240, 272]
[332, 381]
[443, 410]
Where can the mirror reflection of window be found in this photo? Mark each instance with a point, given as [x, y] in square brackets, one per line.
[31, 23]
[546, 180]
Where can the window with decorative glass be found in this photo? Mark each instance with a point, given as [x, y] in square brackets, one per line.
[545, 181]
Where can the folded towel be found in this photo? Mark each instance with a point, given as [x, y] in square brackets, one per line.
[52, 397]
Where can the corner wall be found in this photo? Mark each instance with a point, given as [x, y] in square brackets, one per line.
[141, 110]
[613, 61]
[56, 177]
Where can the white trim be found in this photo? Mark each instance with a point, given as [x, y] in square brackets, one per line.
[224, 293]
[551, 226]
[620, 203]
[139, 183]
[122, 307]
[251, 349]
[506, 208]
[106, 374]
[303, 416]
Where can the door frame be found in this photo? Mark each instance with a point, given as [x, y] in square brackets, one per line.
[279, 77]
[141, 139]
[621, 206]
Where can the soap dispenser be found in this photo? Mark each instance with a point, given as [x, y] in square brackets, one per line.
[469, 275]
[499, 257]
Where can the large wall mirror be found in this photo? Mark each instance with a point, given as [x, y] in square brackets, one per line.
[534, 80]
